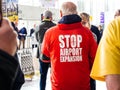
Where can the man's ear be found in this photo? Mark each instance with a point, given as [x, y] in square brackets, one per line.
[61, 13]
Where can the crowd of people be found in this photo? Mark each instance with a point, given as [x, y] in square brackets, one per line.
[77, 52]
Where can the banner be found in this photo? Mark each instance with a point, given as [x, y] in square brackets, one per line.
[4, 8]
[48, 3]
[102, 18]
[10, 9]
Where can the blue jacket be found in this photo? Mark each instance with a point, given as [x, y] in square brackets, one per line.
[22, 31]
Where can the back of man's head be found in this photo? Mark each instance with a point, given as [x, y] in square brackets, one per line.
[117, 13]
[85, 16]
[68, 8]
[47, 14]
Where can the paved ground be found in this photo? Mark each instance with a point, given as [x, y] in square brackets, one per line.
[34, 84]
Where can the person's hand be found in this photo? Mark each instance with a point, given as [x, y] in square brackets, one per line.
[8, 38]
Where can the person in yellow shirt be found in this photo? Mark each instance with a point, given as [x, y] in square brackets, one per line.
[106, 66]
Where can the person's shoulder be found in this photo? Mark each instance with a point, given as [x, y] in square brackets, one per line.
[114, 25]
[23, 27]
[115, 21]
[94, 27]
[32, 29]
[42, 24]
[53, 29]
[53, 23]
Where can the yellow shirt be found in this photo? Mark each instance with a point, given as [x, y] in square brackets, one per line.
[107, 60]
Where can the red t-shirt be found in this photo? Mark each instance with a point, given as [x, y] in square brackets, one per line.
[71, 48]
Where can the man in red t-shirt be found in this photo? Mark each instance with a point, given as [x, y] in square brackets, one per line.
[71, 49]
